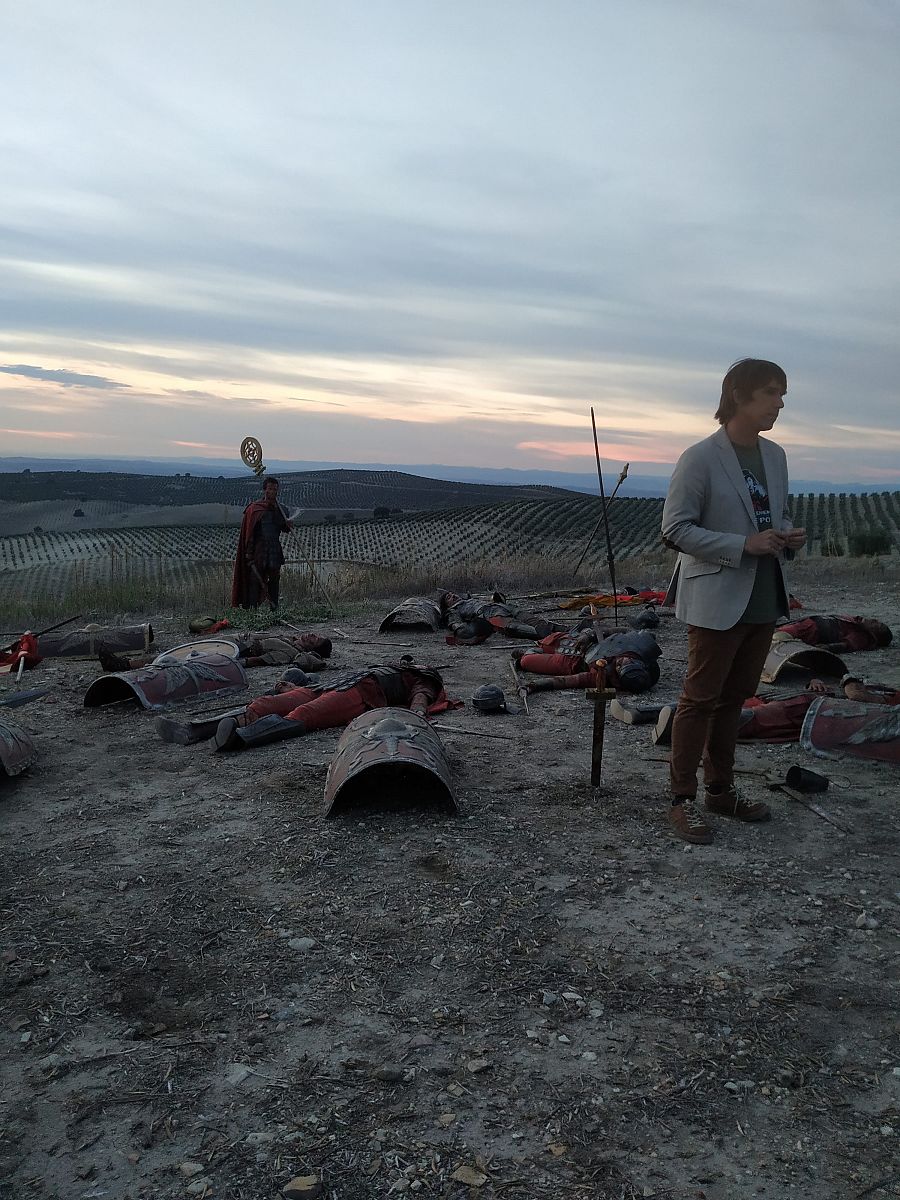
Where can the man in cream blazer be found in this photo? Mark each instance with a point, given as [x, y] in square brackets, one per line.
[726, 512]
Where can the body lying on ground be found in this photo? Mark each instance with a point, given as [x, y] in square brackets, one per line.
[472, 621]
[782, 720]
[837, 633]
[291, 711]
[587, 658]
[305, 650]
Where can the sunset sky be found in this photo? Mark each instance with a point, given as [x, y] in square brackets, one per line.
[398, 231]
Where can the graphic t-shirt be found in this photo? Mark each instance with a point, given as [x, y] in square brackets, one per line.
[767, 600]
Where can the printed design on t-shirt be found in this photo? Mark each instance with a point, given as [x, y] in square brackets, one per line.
[760, 499]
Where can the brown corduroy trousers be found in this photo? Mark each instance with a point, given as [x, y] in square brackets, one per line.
[724, 666]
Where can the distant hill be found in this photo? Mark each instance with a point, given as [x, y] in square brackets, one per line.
[332, 490]
[652, 481]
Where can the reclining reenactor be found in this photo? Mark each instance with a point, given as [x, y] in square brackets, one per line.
[625, 660]
[308, 651]
[837, 634]
[299, 706]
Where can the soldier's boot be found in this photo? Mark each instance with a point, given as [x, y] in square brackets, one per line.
[234, 734]
[520, 629]
[120, 662]
[186, 733]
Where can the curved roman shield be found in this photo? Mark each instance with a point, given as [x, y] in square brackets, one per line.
[416, 612]
[835, 728]
[160, 687]
[794, 655]
[17, 750]
[84, 643]
[199, 649]
[389, 757]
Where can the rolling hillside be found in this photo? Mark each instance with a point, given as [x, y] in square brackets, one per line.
[326, 490]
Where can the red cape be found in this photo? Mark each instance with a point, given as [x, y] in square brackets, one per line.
[240, 580]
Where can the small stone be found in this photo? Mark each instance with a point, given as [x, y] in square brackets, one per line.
[549, 998]
[303, 944]
[259, 1139]
[302, 1187]
[201, 1186]
[476, 1065]
[589, 1056]
[389, 1074]
[446, 1119]
[886, 1130]
[861, 921]
[565, 1040]
[190, 1169]
[469, 1176]
[236, 1073]
[420, 1041]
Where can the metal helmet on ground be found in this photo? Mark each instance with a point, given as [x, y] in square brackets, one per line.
[489, 698]
[636, 674]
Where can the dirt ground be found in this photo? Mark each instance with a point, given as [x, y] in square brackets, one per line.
[208, 989]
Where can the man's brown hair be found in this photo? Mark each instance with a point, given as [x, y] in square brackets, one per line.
[742, 379]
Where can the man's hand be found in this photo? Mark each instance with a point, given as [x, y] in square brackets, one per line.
[794, 539]
[816, 685]
[769, 541]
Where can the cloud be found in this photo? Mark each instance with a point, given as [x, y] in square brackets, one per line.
[62, 377]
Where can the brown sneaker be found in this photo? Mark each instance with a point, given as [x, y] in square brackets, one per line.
[687, 821]
[730, 804]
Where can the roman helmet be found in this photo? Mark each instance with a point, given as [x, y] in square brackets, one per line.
[489, 698]
[635, 674]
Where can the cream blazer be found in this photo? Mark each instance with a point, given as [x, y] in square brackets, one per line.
[708, 514]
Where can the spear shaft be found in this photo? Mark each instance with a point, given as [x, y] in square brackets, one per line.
[622, 477]
[610, 557]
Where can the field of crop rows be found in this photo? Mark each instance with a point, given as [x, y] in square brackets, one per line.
[552, 528]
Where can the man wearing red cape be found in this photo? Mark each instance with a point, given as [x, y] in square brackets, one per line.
[257, 567]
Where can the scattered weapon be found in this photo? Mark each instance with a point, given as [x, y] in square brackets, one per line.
[810, 804]
[610, 557]
[521, 686]
[470, 732]
[21, 669]
[262, 583]
[17, 699]
[252, 457]
[399, 645]
[40, 633]
[622, 477]
[599, 697]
